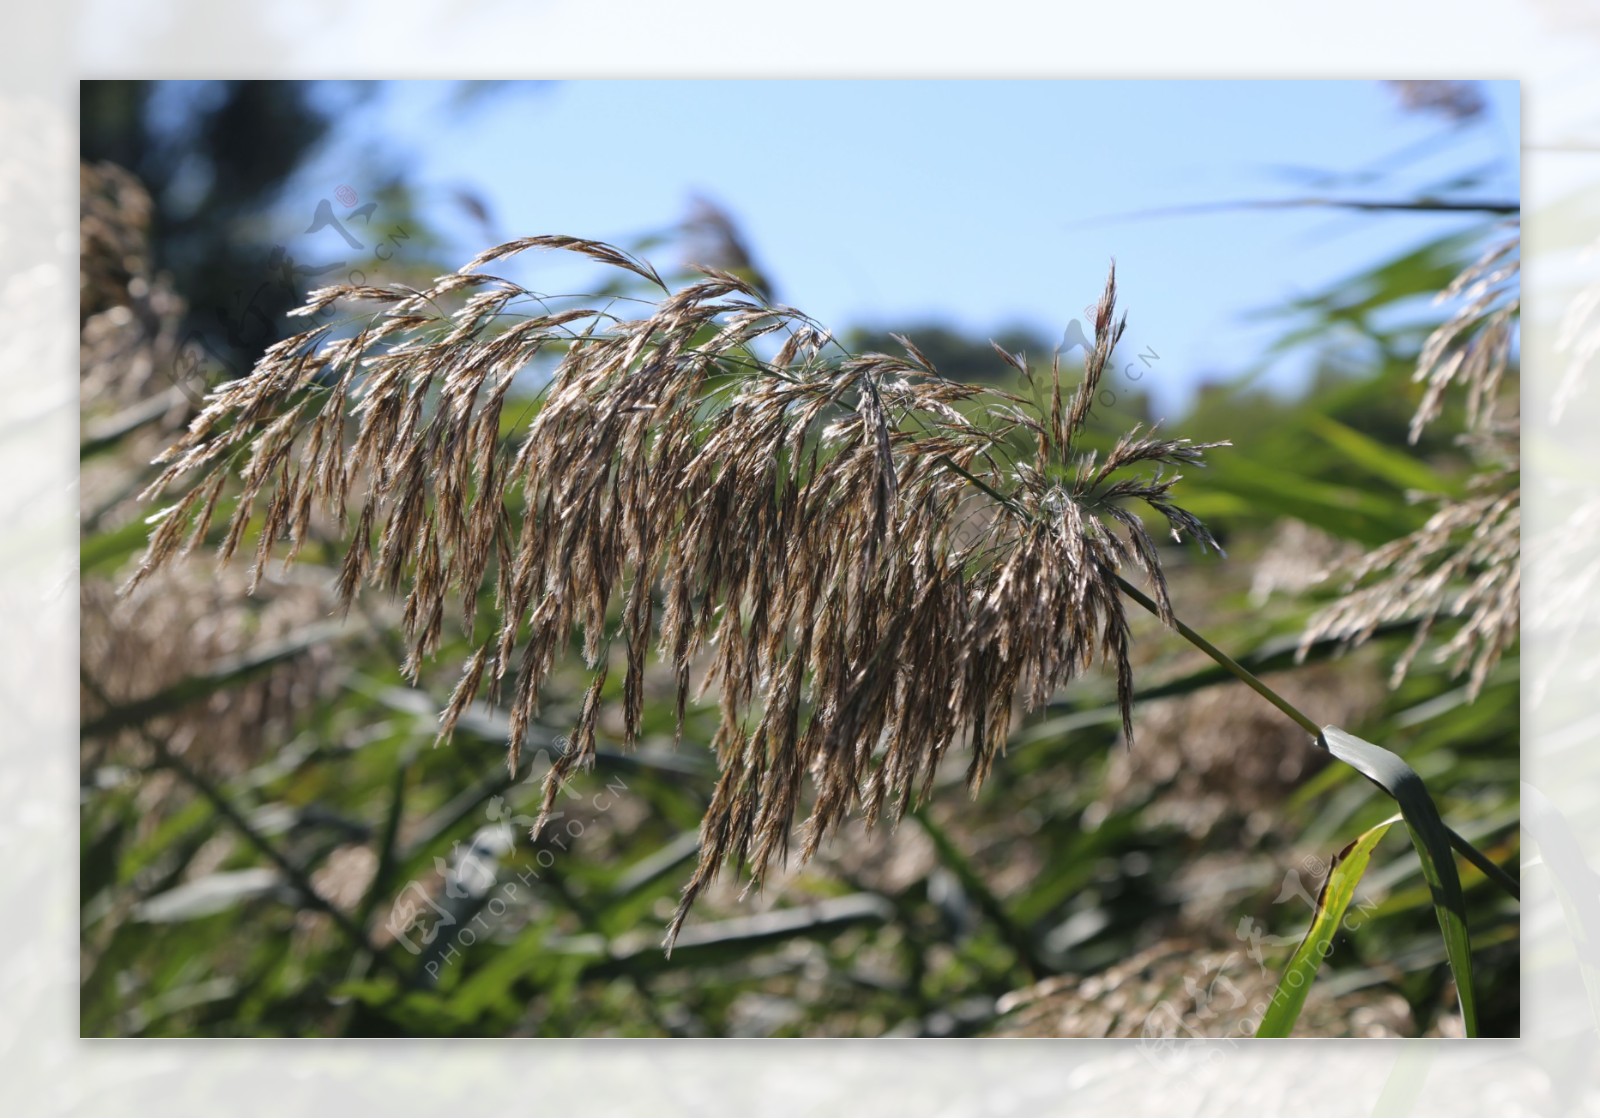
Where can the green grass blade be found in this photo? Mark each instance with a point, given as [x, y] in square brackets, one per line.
[104, 552]
[1432, 841]
[972, 882]
[1345, 511]
[1344, 873]
[1396, 467]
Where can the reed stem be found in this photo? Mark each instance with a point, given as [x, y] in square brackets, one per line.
[1467, 851]
[1224, 660]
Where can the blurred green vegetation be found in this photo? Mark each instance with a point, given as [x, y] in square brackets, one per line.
[271, 844]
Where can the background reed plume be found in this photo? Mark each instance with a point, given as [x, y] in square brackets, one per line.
[871, 563]
[131, 321]
[1464, 564]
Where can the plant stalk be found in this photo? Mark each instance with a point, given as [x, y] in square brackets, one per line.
[1224, 660]
[1467, 851]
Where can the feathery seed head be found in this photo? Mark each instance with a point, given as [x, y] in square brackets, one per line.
[874, 564]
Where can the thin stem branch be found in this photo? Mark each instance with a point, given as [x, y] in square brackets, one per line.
[1491, 870]
[1224, 660]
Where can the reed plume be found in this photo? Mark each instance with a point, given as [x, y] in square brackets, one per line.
[1465, 563]
[1472, 348]
[873, 563]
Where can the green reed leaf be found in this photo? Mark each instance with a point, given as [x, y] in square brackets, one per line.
[1432, 840]
[1344, 873]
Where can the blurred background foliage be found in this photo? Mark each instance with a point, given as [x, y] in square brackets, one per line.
[271, 844]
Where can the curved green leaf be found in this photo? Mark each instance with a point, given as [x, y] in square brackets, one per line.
[1344, 872]
[1432, 841]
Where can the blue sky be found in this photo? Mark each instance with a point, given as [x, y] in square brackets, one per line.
[980, 203]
